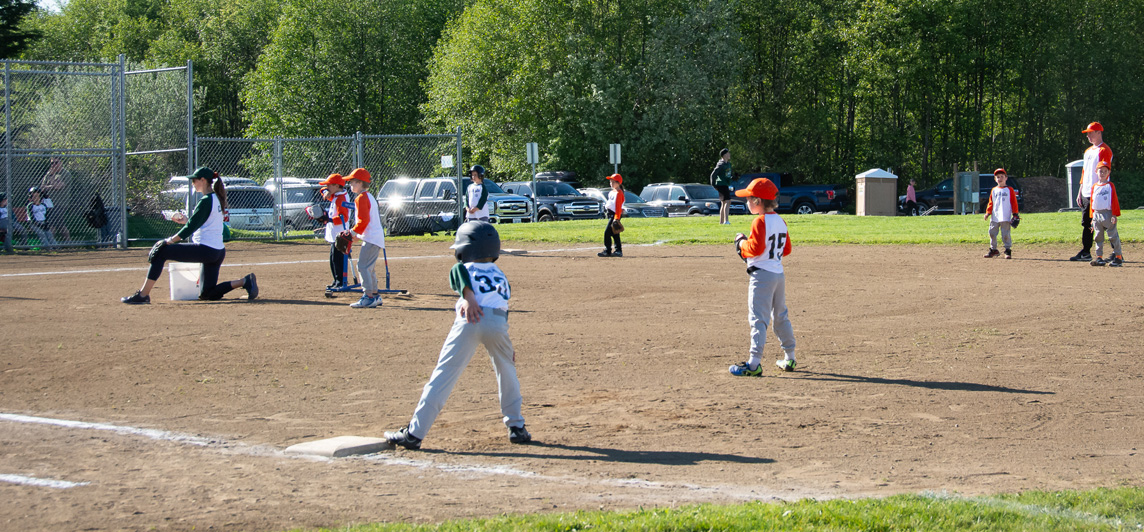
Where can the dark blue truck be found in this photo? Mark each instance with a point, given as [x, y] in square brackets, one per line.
[799, 199]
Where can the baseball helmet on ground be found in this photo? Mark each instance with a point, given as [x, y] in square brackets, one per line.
[475, 241]
[478, 169]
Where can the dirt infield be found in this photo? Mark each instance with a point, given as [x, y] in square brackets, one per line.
[920, 368]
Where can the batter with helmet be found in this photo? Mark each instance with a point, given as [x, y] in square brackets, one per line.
[476, 197]
[482, 318]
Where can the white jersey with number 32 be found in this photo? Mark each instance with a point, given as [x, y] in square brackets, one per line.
[775, 241]
[490, 285]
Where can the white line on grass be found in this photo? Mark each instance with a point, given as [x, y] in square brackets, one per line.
[147, 433]
[41, 482]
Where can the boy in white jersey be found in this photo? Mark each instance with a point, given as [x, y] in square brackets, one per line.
[482, 318]
[1001, 212]
[368, 229]
[763, 251]
[1105, 207]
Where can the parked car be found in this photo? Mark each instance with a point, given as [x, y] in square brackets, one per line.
[556, 200]
[634, 206]
[272, 182]
[941, 196]
[562, 176]
[688, 199]
[181, 181]
[295, 199]
[415, 206]
[248, 207]
[799, 199]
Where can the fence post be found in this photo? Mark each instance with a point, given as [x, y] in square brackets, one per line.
[8, 154]
[278, 190]
[190, 117]
[121, 152]
[460, 181]
[359, 150]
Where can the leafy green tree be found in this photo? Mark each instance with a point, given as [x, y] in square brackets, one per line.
[14, 38]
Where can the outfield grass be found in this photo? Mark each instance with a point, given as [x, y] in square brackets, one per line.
[1039, 228]
[1099, 509]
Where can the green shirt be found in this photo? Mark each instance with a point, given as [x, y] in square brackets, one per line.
[198, 217]
[721, 175]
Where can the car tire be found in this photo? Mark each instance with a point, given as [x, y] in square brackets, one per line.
[803, 207]
[545, 217]
[695, 212]
[922, 207]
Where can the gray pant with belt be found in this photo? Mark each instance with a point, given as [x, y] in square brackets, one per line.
[461, 344]
[1003, 227]
[766, 300]
[1102, 224]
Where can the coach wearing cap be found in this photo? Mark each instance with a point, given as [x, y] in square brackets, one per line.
[1097, 153]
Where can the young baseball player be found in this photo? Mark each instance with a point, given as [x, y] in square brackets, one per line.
[204, 228]
[763, 251]
[1105, 208]
[368, 229]
[481, 318]
[337, 220]
[37, 212]
[477, 196]
[1000, 212]
[615, 208]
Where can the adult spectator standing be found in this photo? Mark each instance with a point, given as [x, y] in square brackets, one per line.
[56, 186]
[721, 180]
[1097, 153]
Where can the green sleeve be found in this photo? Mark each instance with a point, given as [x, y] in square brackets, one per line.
[483, 198]
[198, 218]
[459, 279]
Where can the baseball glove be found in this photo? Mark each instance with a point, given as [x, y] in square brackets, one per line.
[155, 250]
[1016, 221]
[617, 227]
[343, 241]
[739, 239]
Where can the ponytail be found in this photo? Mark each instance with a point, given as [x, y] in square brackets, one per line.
[219, 190]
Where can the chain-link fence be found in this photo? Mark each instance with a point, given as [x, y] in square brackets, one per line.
[271, 182]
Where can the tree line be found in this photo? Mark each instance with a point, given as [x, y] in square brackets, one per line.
[820, 88]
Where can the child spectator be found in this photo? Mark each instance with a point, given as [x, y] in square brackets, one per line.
[1000, 212]
[477, 196]
[763, 251]
[368, 229]
[38, 218]
[337, 220]
[1105, 208]
[481, 318]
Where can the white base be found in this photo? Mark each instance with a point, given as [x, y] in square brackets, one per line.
[340, 446]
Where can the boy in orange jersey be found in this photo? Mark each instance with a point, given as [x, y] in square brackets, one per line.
[1001, 212]
[337, 220]
[1104, 208]
[763, 251]
[368, 229]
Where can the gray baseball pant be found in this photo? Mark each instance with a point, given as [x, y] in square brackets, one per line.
[766, 299]
[460, 345]
[1101, 224]
[367, 257]
[1005, 237]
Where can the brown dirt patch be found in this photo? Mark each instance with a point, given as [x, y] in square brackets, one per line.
[920, 368]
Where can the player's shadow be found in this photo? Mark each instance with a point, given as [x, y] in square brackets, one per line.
[932, 385]
[603, 454]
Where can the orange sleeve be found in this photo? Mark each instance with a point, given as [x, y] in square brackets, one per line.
[787, 246]
[1104, 155]
[1115, 201]
[361, 203]
[340, 208]
[1012, 200]
[619, 204]
[1090, 191]
[756, 243]
[989, 208]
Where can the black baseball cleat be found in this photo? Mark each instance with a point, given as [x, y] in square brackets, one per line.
[604, 254]
[618, 254]
[251, 286]
[519, 435]
[1081, 257]
[992, 253]
[1008, 253]
[136, 299]
[403, 438]
[1098, 262]
[1116, 261]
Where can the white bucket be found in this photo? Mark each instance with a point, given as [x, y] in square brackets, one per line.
[184, 280]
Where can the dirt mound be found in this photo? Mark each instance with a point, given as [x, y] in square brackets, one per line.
[1044, 193]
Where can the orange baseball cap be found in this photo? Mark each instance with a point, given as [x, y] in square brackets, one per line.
[1000, 171]
[1103, 164]
[361, 174]
[760, 188]
[1095, 126]
[617, 178]
[334, 179]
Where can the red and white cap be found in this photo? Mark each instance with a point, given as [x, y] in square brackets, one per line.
[1095, 126]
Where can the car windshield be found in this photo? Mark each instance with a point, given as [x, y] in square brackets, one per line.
[701, 192]
[249, 199]
[492, 187]
[549, 188]
[400, 188]
[632, 197]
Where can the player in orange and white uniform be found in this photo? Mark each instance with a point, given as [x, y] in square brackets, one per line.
[367, 228]
[615, 210]
[1098, 153]
[1103, 210]
[764, 250]
[1001, 211]
[337, 218]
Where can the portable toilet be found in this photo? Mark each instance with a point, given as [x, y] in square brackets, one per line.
[877, 193]
[1075, 171]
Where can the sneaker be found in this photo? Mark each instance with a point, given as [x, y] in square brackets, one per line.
[786, 365]
[1097, 262]
[618, 254]
[364, 302]
[403, 438]
[992, 253]
[743, 370]
[376, 302]
[519, 435]
[1082, 256]
[604, 254]
[136, 299]
[1008, 254]
[334, 286]
[251, 286]
[1116, 261]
